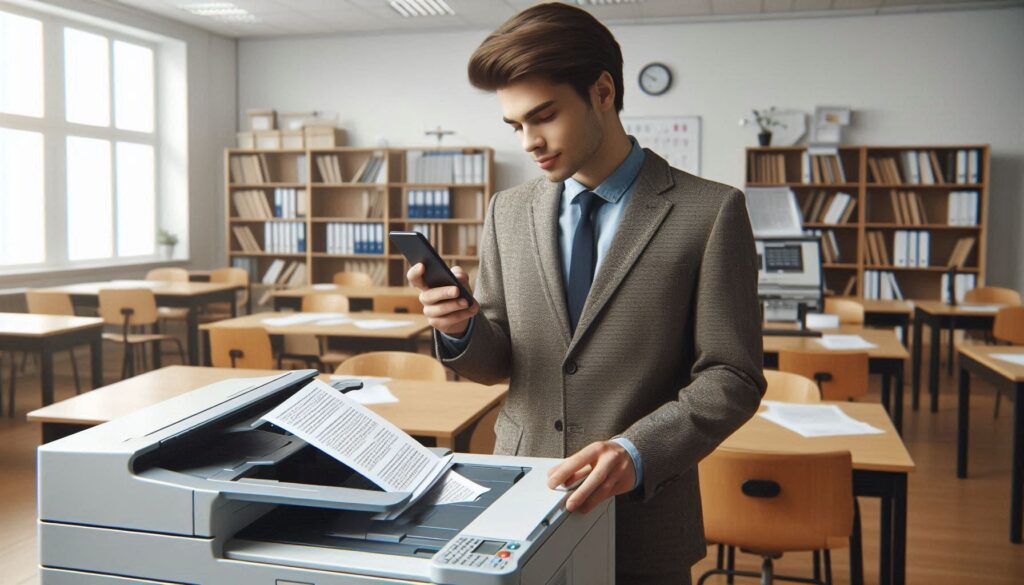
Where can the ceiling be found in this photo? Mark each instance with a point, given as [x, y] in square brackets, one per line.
[319, 17]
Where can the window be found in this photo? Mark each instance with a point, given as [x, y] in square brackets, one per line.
[79, 144]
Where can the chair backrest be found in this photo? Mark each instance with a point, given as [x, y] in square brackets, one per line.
[394, 364]
[168, 274]
[993, 294]
[482, 439]
[840, 375]
[397, 304]
[140, 301]
[789, 387]
[1009, 325]
[49, 303]
[849, 311]
[352, 279]
[325, 303]
[812, 507]
[250, 346]
[233, 275]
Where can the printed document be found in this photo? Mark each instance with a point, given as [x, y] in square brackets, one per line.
[363, 440]
[301, 318]
[1013, 358]
[845, 342]
[380, 323]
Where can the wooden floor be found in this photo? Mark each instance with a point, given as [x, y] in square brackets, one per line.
[958, 529]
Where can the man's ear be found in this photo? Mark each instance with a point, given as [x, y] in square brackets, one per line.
[602, 93]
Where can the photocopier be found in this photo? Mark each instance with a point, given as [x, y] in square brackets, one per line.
[198, 489]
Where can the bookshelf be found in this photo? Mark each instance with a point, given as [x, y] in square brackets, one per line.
[297, 216]
[912, 211]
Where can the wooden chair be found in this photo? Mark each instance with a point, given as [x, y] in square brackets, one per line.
[352, 279]
[1008, 327]
[772, 503]
[482, 439]
[51, 303]
[241, 347]
[220, 311]
[168, 274]
[995, 295]
[310, 348]
[849, 311]
[130, 309]
[788, 387]
[397, 304]
[394, 364]
[840, 375]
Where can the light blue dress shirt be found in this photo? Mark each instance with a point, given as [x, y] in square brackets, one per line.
[616, 190]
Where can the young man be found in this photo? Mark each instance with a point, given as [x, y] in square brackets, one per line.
[618, 295]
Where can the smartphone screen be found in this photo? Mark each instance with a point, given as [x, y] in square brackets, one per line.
[417, 250]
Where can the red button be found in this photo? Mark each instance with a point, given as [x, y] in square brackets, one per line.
[504, 554]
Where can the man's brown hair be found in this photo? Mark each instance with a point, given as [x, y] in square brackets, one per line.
[557, 42]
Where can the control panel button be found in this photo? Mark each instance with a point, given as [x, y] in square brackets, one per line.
[504, 554]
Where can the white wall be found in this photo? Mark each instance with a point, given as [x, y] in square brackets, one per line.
[930, 78]
[210, 126]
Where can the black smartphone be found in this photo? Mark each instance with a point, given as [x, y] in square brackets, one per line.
[417, 250]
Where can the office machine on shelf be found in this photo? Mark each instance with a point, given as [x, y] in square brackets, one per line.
[198, 489]
[789, 277]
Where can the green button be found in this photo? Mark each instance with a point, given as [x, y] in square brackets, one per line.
[512, 546]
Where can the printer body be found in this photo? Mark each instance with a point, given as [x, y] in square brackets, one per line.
[198, 489]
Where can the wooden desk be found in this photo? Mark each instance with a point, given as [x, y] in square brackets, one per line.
[886, 359]
[47, 334]
[190, 295]
[360, 297]
[446, 412]
[938, 316]
[978, 360]
[881, 464]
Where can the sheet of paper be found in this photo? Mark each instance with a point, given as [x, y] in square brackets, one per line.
[815, 420]
[335, 321]
[374, 390]
[845, 342]
[1013, 358]
[324, 286]
[300, 318]
[822, 321]
[380, 323]
[136, 284]
[359, 438]
[981, 308]
[452, 489]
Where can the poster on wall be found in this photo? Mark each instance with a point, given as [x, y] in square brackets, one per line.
[674, 138]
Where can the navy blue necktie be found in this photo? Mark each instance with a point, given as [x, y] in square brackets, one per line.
[584, 257]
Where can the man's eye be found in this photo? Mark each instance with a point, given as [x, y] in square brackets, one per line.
[547, 118]
[516, 129]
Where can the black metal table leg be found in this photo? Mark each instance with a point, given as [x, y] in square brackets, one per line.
[915, 362]
[933, 366]
[1017, 474]
[899, 529]
[962, 419]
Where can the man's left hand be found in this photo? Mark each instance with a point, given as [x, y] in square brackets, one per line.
[608, 469]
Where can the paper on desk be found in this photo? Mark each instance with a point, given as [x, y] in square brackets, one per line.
[380, 323]
[361, 439]
[374, 390]
[300, 318]
[1013, 358]
[335, 321]
[323, 286]
[135, 284]
[822, 321]
[845, 342]
[981, 308]
[815, 420]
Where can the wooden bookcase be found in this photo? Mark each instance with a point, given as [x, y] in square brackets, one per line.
[321, 209]
[873, 194]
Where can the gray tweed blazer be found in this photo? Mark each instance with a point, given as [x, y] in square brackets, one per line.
[667, 351]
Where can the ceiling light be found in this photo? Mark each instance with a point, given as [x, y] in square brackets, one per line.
[223, 11]
[416, 8]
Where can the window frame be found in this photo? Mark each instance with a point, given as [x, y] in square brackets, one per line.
[55, 130]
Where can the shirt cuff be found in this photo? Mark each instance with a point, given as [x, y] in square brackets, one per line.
[456, 345]
[635, 456]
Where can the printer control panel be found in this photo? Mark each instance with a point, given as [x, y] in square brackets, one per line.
[480, 555]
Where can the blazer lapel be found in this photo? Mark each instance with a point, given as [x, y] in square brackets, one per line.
[544, 220]
[640, 222]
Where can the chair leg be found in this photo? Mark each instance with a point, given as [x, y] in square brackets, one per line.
[124, 363]
[828, 566]
[10, 389]
[767, 571]
[999, 397]
[181, 351]
[816, 562]
[74, 368]
[730, 563]
[720, 560]
[130, 357]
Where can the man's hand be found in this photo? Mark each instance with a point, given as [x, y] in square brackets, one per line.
[441, 306]
[608, 469]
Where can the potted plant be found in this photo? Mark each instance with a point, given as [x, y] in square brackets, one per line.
[766, 121]
[166, 241]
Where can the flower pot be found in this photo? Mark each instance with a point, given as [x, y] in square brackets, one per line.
[166, 251]
[764, 138]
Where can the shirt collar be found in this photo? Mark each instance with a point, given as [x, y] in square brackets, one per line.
[617, 184]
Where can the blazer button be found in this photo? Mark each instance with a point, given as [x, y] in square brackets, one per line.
[558, 425]
[571, 368]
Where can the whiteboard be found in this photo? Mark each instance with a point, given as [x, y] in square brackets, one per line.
[674, 138]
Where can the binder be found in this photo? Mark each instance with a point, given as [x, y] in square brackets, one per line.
[961, 166]
[899, 248]
[972, 166]
[923, 249]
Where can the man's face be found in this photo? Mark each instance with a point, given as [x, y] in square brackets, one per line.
[559, 131]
